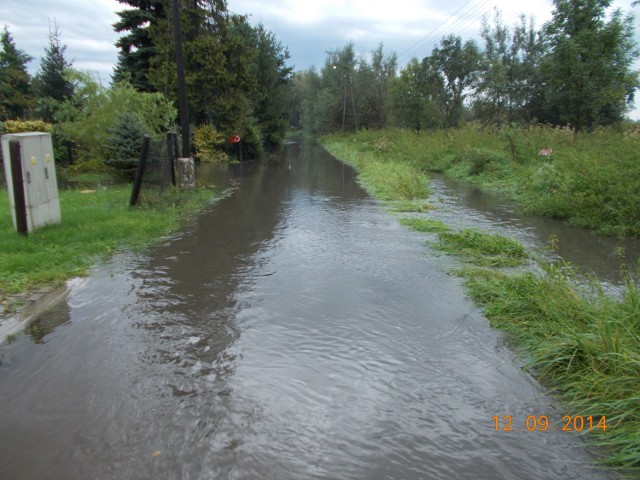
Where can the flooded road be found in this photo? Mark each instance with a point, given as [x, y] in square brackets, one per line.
[292, 331]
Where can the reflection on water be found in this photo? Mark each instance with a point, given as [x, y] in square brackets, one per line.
[294, 330]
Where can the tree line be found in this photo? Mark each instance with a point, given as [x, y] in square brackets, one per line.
[575, 70]
[237, 79]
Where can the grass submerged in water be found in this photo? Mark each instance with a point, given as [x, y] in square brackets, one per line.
[581, 343]
[94, 226]
[483, 249]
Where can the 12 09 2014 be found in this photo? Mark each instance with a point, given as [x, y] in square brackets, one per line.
[541, 423]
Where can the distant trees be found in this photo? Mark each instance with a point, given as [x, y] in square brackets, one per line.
[510, 79]
[455, 67]
[589, 81]
[349, 92]
[575, 70]
[414, 101]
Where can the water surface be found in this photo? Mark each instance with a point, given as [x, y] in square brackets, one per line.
[293, 330]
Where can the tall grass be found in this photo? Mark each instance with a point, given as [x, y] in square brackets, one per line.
[584, 345]
[589, 179]
[386, 179]
[94, 225]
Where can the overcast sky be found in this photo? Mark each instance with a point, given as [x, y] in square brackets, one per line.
[307, 27]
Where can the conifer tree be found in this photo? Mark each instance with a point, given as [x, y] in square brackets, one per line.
[51, 85]
[136, 46]
[15, 83]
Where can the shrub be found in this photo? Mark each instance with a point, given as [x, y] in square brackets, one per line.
[124, 144]
[209, 144]
[87, 118]
[21, 126]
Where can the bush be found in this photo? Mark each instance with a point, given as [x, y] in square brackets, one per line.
[22, 126]
[209, 144]
[89, 116]
[124, 144]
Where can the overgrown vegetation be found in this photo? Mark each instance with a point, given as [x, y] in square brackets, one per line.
[580, 342]
[589, 179]
[583, 344]
[479, 248]
[387, 180]
[95, 225]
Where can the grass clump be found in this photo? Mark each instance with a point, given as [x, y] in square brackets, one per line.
[425, 225]
[410, 206]
[583, 344]
[479, 248]
[94, 226]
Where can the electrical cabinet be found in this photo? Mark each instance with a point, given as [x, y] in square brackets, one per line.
[38, 178]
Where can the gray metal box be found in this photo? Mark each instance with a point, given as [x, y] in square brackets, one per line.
[39, 178]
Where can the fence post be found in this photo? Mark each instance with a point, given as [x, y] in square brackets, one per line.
[168, 168]
[19, 201]
[176, 155]
[142, 161]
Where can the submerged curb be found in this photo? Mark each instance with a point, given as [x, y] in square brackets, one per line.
[17, 322]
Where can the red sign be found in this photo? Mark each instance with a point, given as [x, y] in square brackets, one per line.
[234, 139]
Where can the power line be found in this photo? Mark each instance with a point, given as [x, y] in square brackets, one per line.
[472, 15]
[430, 36]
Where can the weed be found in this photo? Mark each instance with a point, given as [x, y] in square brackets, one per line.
[590, 179]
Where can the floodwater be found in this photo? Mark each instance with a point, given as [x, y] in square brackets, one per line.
[292, 331]
[465, 206]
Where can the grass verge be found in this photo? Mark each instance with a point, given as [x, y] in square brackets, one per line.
[588, 179]
[582, 344]
[94, 225]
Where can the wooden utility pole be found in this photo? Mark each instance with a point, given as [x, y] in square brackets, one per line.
[346, 88]
[182, 95]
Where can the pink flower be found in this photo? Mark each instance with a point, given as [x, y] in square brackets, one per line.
[545, 152]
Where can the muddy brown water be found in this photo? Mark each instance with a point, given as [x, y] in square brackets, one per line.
[605, 258]
[294, 330]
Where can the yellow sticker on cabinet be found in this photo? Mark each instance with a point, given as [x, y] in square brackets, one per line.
[33, 160]
[47, 158]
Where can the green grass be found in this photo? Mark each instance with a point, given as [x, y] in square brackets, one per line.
[582, 344]
[387, 180]
[425, 225]
[479, 248]
[94, 226]
[409, 206]
[590, 179]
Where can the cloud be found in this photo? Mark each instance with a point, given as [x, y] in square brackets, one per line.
[86, 29]
[308, 28]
